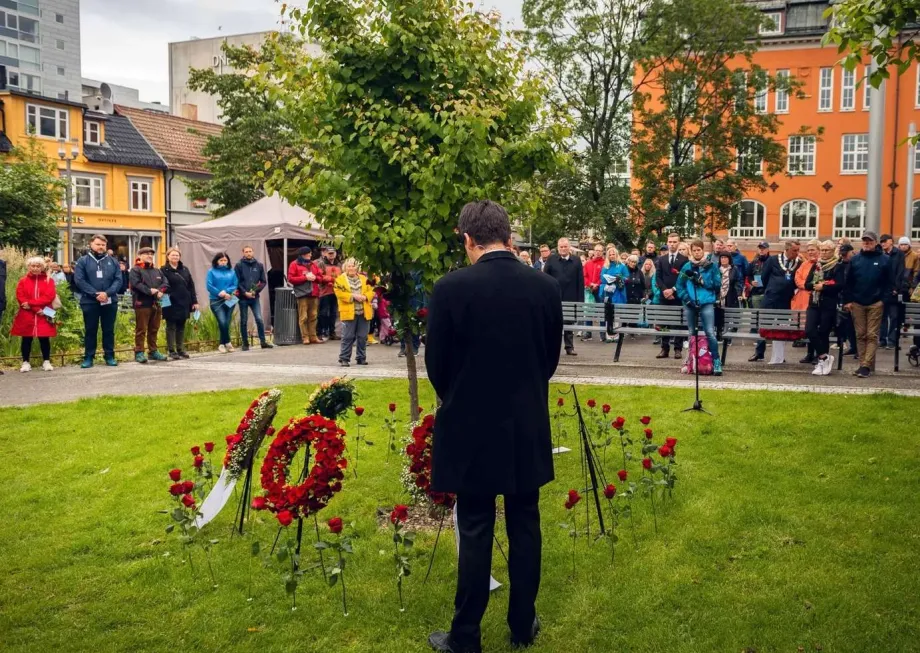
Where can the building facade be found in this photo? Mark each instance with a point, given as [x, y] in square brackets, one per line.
[117, 178]
[40, 46]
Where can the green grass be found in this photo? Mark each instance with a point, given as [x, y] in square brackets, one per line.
[793, 528]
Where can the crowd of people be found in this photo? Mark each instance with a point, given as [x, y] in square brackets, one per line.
[857, 293]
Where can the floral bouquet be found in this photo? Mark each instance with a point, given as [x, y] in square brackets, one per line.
[332, 398]
[255, 425]
[419, 454]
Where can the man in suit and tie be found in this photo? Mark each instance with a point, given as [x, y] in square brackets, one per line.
[492, 433]
[565, 267]
[667, 270]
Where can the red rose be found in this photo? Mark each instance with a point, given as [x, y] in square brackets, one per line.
[285, 517]
[199, 460]
[188, 486]
[610, 491]
[648, 434]
[671, 442]
[209, 446]
[560, 402]
[392, 408]
[591, 403]
[618, 423]
[400, 514]
[196, 450]
[605, 408]
[335, 525]
[664, 451]
[647, 463]
[258, 503]
[359, 410]
[622, 474]
[421, 313]
[188, 500]
[573, 499]
[420, 409]
[177, 489]
[175, 474]
[645, 420]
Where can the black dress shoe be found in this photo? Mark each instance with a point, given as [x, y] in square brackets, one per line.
[441, 641]
[664, 353]
[755, 358]
[344, 364]
[808, 360]
[267, 345]
[570, 352]
[362, 362]
[526, 642]
[678, 354]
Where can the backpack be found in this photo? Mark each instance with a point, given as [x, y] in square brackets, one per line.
[700, 343]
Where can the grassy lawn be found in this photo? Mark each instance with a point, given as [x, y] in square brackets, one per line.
[793, 529]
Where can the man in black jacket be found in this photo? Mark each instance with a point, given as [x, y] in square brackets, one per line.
[250, 274]
[2, 291]
[99, 281]
[567, 270]
[492, 433]
[148, 285]
[891, 317]
[869, 282]
[778, 279]
[667, 270]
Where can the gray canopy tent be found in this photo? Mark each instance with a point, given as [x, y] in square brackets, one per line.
[269, 219]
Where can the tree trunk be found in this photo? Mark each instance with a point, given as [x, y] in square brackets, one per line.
[413, 380]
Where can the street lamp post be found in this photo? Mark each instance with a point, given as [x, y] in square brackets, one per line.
[63, 154]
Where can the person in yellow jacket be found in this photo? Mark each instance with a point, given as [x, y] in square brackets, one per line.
[355, 311]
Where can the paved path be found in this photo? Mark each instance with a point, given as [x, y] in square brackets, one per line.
[299, 364]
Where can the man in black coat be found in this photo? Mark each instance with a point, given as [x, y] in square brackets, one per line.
[567, 270]
[778, 280]
[492, 433]
[667, 270]
[2, 291]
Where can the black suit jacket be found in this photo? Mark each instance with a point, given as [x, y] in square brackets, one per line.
[494, 335]
[666, 275]
[778, 289]
[2, 285]
[569, 274]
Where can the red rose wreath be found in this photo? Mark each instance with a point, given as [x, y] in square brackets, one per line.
[419, 452]
[325, 478]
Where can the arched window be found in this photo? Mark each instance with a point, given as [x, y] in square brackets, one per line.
[850, 219]
[750, 220]
[799, 219]
[915, 227]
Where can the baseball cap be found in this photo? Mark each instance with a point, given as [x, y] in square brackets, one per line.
[764, 245]
[870, 235]
[845, 249]
[904, 240]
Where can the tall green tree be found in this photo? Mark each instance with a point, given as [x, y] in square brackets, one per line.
[31, 199]
[255, 128]
[413, 110]
[703, 138]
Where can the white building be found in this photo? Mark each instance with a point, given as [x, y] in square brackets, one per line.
[103, 96]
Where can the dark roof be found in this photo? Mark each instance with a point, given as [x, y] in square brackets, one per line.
[5, 144]
[36, 96]
[123, 145]
[178, 140]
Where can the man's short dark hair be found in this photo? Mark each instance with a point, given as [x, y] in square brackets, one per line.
[99, 237]
[544, 245]
[885, 237]
[486, 222]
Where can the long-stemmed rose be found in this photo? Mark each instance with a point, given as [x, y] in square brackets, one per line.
[342, 545]
[390, 422]
[571, 501]
[609, 493]
[619, 425]
[359, 438]
[184, 514]
[668, 451]
[402, 537]
[559, 421]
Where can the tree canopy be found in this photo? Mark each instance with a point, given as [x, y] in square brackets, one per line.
[31, 199]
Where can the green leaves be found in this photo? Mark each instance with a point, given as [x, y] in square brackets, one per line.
[32, 197]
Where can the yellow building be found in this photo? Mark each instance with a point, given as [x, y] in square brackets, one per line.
[118, 179]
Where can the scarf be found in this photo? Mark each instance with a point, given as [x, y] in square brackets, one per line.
[828, 265]
[355, 283]
[726, 282]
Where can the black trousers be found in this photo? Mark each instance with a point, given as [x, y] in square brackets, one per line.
[819, 320]
[476, 527]
[43, 343]
[568, 337]
[94, 315]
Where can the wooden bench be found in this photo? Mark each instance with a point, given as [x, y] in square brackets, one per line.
[910, 328]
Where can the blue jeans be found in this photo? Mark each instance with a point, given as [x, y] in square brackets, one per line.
[707, 315]
[93, 315]
[247, 305]
[223, 313]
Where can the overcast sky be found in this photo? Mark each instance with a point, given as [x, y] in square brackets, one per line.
[126, 41]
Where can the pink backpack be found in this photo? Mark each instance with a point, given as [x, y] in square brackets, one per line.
[705, 356]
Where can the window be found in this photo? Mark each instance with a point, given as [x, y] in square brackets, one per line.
[741, 90]
[620, 167]
[826, 90]
[2, 48]
[140, 195]
[12, 21]
[782, 91]
[91, 133]
[30, 83]
[799, 219]
[760, 98]
[12, 50]
[855, 153]
[915, 227]
[866, 88]
[801, 155]
[45, 121]
[750, 160]
[916, 169]
[847, 90]
[750, 220]
[59, 44]
[88, 192]
[772, 24]
[850, 219]
[917, 98]
[28, 29]
[686, 155]
[59, 18]
[60, 71]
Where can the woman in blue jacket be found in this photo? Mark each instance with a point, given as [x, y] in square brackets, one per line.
[698, 287]
[222, 284]
[613, 279]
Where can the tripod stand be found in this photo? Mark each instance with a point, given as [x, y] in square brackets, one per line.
[697, 310]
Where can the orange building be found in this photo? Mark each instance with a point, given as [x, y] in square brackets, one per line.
[826, 197]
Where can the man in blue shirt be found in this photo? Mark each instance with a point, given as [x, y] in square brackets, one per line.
[98, 280]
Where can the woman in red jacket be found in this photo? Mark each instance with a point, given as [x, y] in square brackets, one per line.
[35, 294]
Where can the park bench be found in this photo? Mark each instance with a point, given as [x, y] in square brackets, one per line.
[909, 329]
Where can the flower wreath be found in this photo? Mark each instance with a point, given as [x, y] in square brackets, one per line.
[246, 440]
[324, 479]
[332, 398]
[419, 453]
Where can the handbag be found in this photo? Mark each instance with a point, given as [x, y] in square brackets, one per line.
[915, 296]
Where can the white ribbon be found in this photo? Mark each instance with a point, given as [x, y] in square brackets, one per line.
[216, 499]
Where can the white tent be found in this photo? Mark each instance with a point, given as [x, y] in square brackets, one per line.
[270, 218]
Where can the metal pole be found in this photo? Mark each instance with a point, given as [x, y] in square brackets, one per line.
[69, 213]
[284, 263]
[876, 149]
[909, 193]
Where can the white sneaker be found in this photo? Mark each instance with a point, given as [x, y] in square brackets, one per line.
[26, 367]
[819, 368]
[828, 365]
[222, 349]
[229, 348]
[47, 366]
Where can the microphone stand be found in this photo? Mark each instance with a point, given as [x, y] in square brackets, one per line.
[697, 403]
